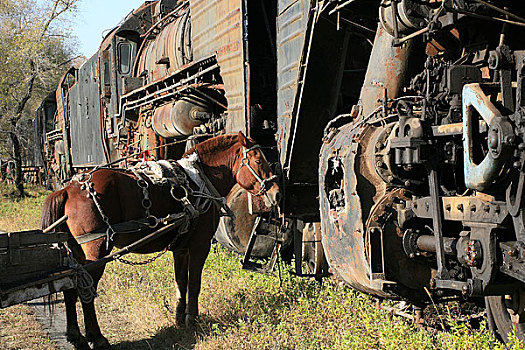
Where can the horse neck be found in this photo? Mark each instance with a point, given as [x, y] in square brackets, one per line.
[217, 164]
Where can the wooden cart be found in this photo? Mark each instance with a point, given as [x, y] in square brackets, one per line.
[33, 264]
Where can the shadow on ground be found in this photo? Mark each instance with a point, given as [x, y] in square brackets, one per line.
[172, 337]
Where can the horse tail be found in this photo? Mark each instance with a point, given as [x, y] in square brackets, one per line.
[53, 209]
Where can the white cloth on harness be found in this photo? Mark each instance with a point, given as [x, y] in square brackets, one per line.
[188, 164]
[203, 195]
[161, 172]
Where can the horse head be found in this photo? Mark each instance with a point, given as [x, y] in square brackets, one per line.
[253, 173]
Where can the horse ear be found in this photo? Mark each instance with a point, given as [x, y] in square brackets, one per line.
[242, 139]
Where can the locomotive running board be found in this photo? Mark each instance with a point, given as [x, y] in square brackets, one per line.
[254, 266]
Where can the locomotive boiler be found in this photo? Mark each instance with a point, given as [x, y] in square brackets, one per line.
[397, 128]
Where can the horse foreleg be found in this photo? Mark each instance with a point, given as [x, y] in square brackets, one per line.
[73, 334]
[196, 264]
[181, 278]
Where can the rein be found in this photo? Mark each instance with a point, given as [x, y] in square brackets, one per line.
[246, 162]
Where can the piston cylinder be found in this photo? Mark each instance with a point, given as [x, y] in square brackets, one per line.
[178, 119]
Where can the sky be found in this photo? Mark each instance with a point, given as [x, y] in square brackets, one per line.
[95, 17]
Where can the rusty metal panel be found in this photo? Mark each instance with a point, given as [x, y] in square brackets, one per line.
[343, 229]
[316, 98]
[292, 21]
[168, 51]
[361, 239]
[85, 119]
[44, 116]
[387, 69]
[217, 28]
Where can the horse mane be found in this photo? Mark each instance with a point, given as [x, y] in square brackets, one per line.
[216, 144]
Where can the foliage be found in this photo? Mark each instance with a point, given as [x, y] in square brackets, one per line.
[35, 47]
[33, 41]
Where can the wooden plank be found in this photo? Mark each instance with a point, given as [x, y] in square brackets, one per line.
[33, 237]
[49, 285]
[34, 262]
[13, 243]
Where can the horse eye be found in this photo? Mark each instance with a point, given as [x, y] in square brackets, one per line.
[258, 161]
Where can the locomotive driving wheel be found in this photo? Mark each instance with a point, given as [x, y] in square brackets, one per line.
[508, 313]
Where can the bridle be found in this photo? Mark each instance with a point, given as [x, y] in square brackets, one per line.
[245, 161]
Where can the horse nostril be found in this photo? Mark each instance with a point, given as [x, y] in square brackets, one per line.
[277, 197]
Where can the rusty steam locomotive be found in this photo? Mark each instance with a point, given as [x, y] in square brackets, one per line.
[398, 128]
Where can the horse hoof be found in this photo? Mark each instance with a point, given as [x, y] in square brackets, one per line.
[101, 344]
[78, 342]
[180, 315]
[181, 319]
[190, 322]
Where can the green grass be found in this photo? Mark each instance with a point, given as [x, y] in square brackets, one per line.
[20, 214]
[238, 309]
[242, 310]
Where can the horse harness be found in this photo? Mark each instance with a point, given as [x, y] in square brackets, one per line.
[163, 172]
[245, 161]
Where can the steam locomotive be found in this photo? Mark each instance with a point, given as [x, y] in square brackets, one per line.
[397, 127]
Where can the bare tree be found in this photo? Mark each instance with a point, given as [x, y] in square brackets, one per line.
[33, 45]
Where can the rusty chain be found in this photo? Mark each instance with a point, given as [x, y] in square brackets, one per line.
[144, 262]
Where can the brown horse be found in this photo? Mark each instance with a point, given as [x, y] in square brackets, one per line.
[225, 160]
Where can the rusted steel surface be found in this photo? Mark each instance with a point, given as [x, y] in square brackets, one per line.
[177, 119]
[386, 69]
[468, 208]
[60, 100]
[316, 100]
[43, 124]
[292, 21]
[217, 29]
[85, 118]
[355, 206]
[343, 231]
[167, 52]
